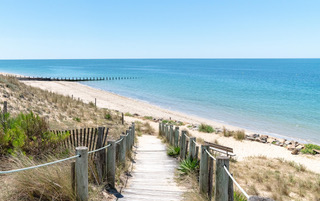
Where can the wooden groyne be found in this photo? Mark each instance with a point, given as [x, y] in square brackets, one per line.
[73, 79]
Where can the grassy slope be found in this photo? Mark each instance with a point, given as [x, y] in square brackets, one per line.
[62, 112]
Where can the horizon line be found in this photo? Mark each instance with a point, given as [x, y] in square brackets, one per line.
[163, 58]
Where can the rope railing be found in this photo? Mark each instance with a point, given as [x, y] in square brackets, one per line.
[241, 189]
[119, 141]
[37, 166]
[90, 152]
[196, 143]
[211, 155]
[187, 136]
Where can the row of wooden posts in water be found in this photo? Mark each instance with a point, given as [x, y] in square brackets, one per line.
[73, 79]
[189, 149]
[106, 156]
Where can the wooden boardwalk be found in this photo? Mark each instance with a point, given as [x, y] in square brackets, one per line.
[153, 173]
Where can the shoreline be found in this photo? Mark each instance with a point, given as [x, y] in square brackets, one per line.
[216, 123]
[113, 101]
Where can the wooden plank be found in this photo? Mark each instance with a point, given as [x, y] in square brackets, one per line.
[84, 137]
[91, 138]
[87, 137]
[228, 149]
[77, 138]
[105, 137]
[80, 137]
[74, 138]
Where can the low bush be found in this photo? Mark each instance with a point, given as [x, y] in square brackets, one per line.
[148, 117]
[46, 183]
[239, 135]
[128, 114]
[309, 149]
[108, 116]
[188, 166]
[27, 133]
[173, 151]
[206, 128]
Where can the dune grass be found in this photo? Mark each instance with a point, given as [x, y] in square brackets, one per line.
[206, 128]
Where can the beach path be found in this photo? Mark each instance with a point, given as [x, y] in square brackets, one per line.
[153, 173]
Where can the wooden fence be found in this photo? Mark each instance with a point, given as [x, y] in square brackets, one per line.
[72, 79]
[189, 148]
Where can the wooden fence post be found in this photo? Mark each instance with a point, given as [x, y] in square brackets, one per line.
[122, 158]
[82, 174]
[127, 140]
[130, 137]
[133, 133]
[95, 102]
[210, 179]
[230, 189]
[171, 135]
[101, 156]
[203, 175]
[160, 129]
[122, 118]
[192, 148]
[5, 107]
[222, 179]
[183, 146]
[176, 137]
[166, 131]
[111, 164]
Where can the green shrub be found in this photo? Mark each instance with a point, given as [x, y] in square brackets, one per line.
[239, 135]
[173, 151]
[148, 117]
[188, 166]
[237, 196]
[206, 128]
[108, 116]
[309, 149]
[128, 114]
[27, 133]
[77, 119]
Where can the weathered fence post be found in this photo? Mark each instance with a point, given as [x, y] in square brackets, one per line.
[101, 156]
[183, 146]
[192, 148]
[230, 189]
[73, 177]
[210, 179]
[82, 174]
[122, 158]
[122, 118]
[160, 129]
[171, 135]
[127, 140]
[130, 137]
[222, 179]
[133, 133]
[176, 137]
[5, 107]
[203, 175]
[111, 164]
[166, 131]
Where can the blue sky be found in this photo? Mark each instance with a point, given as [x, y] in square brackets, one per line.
[57, 29]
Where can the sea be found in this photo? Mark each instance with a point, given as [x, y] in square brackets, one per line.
[278, 97]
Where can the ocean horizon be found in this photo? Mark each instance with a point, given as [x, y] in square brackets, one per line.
[278, 97]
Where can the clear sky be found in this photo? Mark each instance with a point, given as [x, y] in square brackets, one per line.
[62, 29]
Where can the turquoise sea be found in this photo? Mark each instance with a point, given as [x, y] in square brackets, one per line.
[279, 97]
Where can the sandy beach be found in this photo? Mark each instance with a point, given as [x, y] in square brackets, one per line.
[123, 104]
